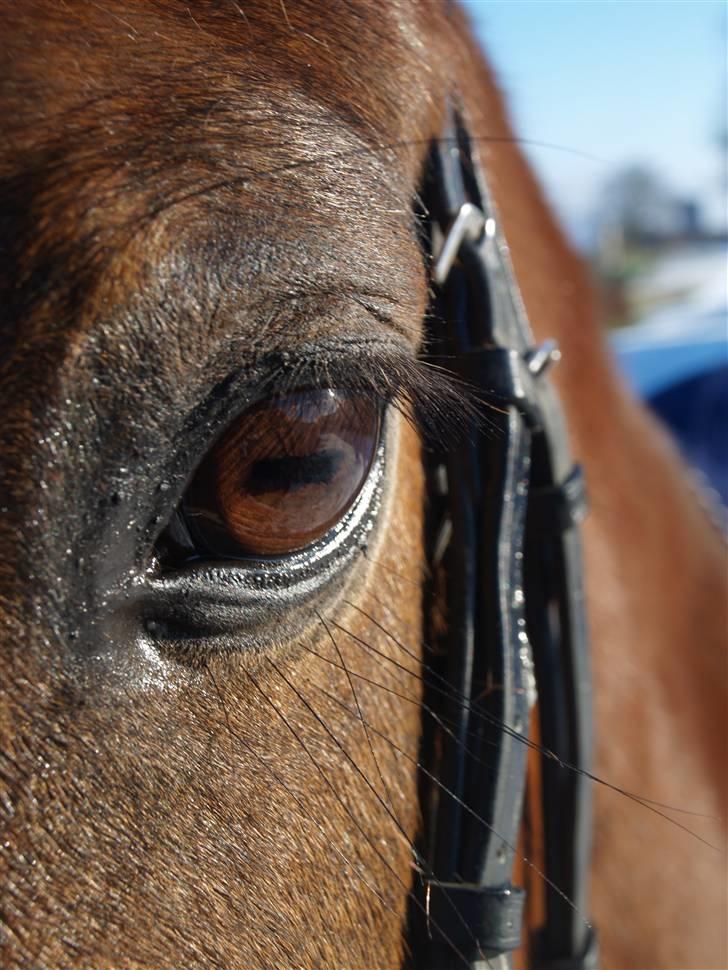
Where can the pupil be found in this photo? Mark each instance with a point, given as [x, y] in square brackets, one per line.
[290, 472]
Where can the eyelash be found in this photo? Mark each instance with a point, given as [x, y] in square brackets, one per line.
[431, 399]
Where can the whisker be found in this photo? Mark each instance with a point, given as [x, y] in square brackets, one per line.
[405, 579]
[415, 701]
[349, 865]
[343, 750]
[385, 789]
[421, 862]
[443, 723]
[341, 802]
[420, 767]
[448, 691]
[546, 752]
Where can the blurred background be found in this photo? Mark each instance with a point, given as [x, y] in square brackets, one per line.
[623, 112]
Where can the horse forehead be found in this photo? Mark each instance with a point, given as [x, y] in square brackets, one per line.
[356, 57]
[147, 155]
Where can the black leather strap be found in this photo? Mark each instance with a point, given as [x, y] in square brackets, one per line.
[556, 508]
[487, 502]
[588, 959]
[513, 580]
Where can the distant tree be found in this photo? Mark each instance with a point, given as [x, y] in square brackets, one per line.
[636, 204]
[721, 143]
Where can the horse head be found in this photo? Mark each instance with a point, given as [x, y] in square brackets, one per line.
[214, 506]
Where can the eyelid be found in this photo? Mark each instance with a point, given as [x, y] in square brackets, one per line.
[226, 605]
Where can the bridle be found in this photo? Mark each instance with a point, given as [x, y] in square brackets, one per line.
[504, 512]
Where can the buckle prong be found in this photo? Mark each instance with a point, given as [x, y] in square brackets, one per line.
[543, 357]
[469, 223]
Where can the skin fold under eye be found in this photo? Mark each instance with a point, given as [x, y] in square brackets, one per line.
[282, 476]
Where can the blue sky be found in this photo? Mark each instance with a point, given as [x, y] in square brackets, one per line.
[622, 81]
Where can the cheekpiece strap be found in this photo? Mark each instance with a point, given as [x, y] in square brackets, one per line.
[511, 506]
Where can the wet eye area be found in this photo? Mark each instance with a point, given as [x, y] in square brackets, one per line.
[279, 479]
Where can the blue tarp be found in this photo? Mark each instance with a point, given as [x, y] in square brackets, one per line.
[673, 346]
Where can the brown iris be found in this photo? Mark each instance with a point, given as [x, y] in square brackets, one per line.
[284, 474]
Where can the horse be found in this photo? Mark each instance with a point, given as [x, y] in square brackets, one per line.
[211, 259]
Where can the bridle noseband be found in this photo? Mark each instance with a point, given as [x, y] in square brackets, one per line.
[505, 506]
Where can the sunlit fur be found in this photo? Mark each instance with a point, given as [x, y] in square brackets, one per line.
[183, 186]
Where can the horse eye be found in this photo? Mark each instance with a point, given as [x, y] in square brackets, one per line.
[280, 478]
